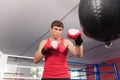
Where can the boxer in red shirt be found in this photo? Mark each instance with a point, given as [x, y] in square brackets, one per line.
[55, 50]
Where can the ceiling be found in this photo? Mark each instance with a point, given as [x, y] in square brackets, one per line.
[24, 23]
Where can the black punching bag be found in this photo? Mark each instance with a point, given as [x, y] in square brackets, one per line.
[100, 19]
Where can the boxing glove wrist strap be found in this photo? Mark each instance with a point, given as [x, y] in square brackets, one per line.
[43, 51]
[78, 41]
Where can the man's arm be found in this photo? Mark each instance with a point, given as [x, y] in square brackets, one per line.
[38, 56]
[75, 50]
[76, 35]
[44, 48]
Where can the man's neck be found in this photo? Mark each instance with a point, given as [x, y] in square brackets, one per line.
[56, 39]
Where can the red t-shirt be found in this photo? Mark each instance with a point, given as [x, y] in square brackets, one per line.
[56, 62]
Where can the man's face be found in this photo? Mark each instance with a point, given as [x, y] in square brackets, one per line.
[56, 31]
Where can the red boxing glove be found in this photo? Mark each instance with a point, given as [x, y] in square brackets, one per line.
[48, 46]
[76, 35]
[73, 33]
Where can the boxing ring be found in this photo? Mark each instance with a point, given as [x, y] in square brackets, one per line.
[94, 69]
[19, 68]
[15, 67]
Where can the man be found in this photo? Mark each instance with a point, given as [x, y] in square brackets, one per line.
[55, 50]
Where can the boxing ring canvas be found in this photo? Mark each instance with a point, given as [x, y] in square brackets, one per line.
[16, 67]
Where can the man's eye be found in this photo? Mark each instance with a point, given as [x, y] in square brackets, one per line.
[55, 28]
[60, 29]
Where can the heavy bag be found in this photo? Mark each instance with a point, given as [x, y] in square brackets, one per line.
[100, 19]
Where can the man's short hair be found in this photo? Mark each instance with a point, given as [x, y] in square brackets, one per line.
[57, 23]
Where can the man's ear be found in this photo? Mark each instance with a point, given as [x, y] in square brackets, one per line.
[50, 29]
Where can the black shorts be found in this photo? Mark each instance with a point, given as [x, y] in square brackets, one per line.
[55, 79]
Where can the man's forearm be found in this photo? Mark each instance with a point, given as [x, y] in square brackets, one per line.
[37, 57]
[79, 50]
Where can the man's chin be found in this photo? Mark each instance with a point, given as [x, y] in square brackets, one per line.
[56, 37]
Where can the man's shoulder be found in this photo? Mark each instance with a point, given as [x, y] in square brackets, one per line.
[44, 41]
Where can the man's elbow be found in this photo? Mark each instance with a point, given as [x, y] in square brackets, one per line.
[80, 55]
[35, 62]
